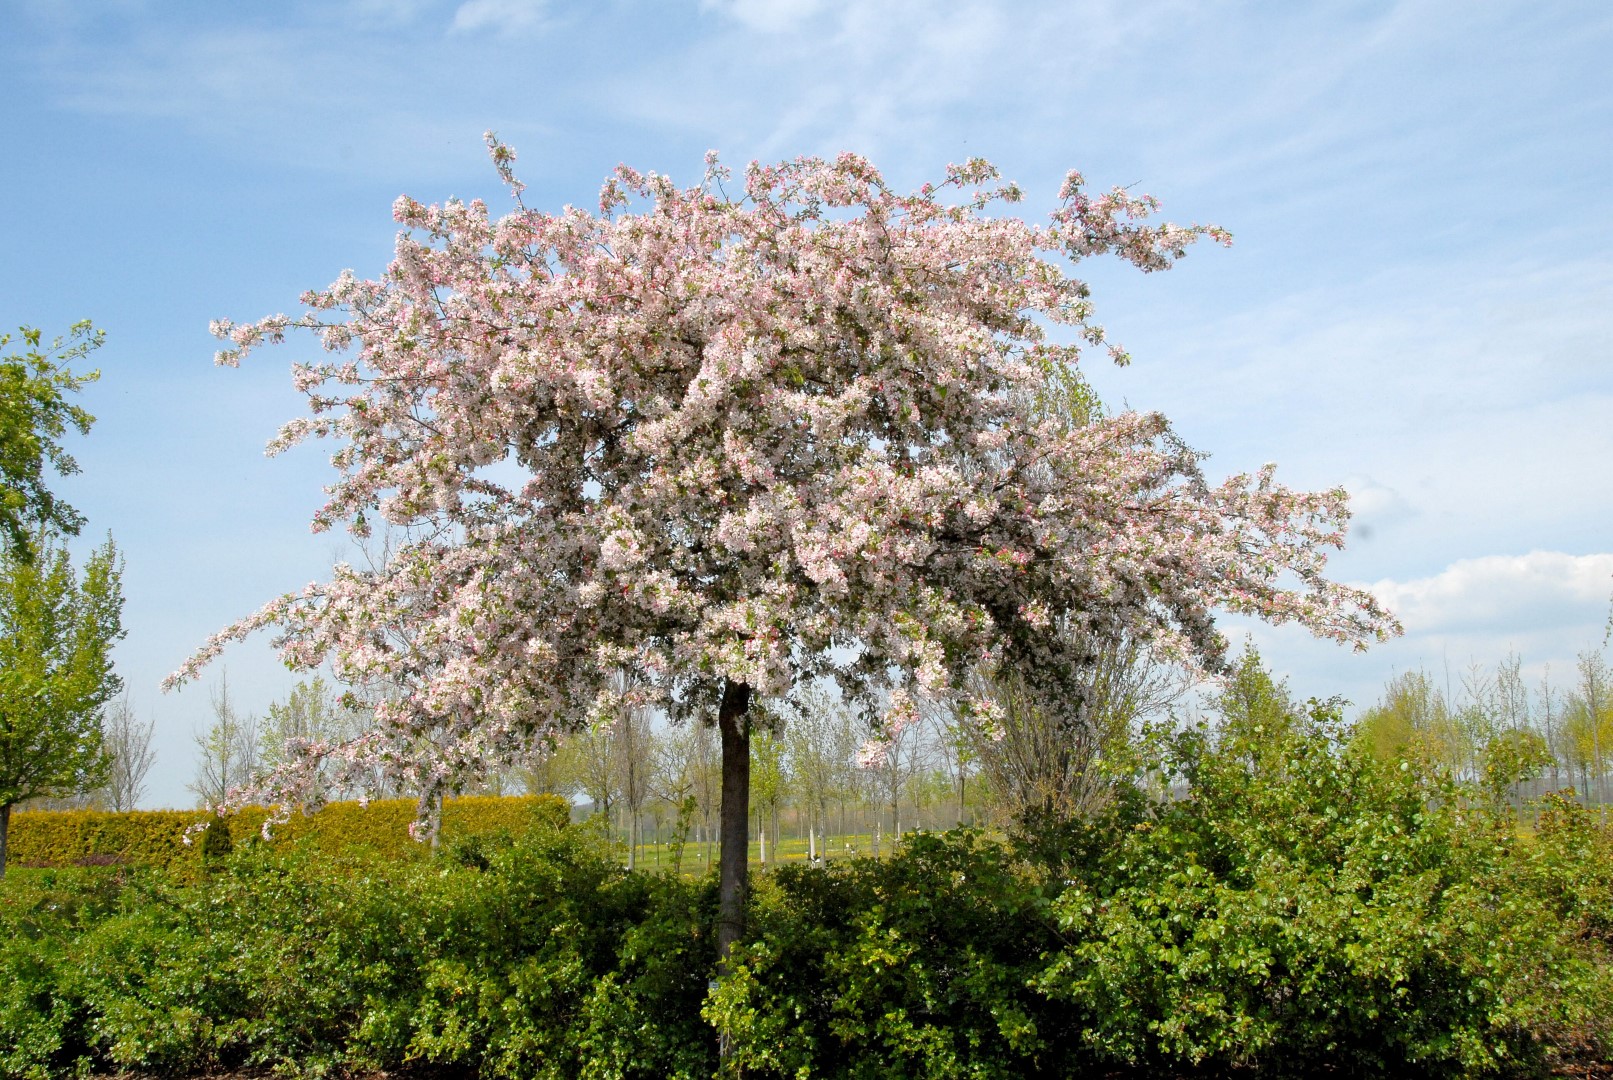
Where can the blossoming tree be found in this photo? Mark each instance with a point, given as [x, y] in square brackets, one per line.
[721, 443]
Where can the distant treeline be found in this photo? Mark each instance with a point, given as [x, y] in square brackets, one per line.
[1491, 726]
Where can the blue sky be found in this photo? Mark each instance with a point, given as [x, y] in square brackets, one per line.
[1419, 303]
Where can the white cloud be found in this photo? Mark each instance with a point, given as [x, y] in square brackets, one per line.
[1504, 592]
[501, 16]
[768, 16]
[1546, 607]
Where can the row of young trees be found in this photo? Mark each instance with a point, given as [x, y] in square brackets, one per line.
[812, 781]
[813, 775]
[818, 769]
[1493, 725]
[239, 747]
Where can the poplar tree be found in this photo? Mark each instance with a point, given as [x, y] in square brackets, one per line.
[57, 630]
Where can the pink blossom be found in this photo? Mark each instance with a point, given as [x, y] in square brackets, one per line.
[758, 441]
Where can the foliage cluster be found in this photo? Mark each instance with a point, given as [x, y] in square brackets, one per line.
[155, 837]
[1304, 906]
[1496, 730]
[35, 415]
[57, 631]
[533, 958]
[1299, 903]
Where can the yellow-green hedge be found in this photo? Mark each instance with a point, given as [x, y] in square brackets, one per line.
[155, 837]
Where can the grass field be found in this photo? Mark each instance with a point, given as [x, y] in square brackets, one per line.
[697, 856]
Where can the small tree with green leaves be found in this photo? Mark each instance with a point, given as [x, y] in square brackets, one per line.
[57, 629]
[34, 415]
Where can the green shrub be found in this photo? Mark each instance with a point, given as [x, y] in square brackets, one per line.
[1306, 905]
[216, 844]
[540, 957]
[918, 966]
[1570, 864]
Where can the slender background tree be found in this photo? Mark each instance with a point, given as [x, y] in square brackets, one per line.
[127, 740]
[228, 752]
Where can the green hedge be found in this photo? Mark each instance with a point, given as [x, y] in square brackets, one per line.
[534, 957]
[539, 958]
[156, 837]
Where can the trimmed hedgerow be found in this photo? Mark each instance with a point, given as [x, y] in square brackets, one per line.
[155, 837]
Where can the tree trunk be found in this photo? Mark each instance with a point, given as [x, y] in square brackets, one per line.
[436, 822]
[5, 836]
[733, 724]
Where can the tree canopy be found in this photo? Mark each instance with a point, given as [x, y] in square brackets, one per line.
[34, 416]
[723, 444]
[753, 439]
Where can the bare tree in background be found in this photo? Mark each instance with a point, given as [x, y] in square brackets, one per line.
[312, 713]
[1550, 724]
[1056, 731]
[635, 746]
[128, 741]
[706, 765]
[955, 749]
[593, 753]
[228, 752]
[820, 741]
[675, 780]
[550, 770]
[1594, 700]
[892, 775]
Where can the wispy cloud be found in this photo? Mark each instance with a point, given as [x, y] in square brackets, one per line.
[1475, 391]
[293, 94]
[768, 16]
[500, 16]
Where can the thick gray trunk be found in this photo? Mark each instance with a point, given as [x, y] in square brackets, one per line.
[733, 724]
